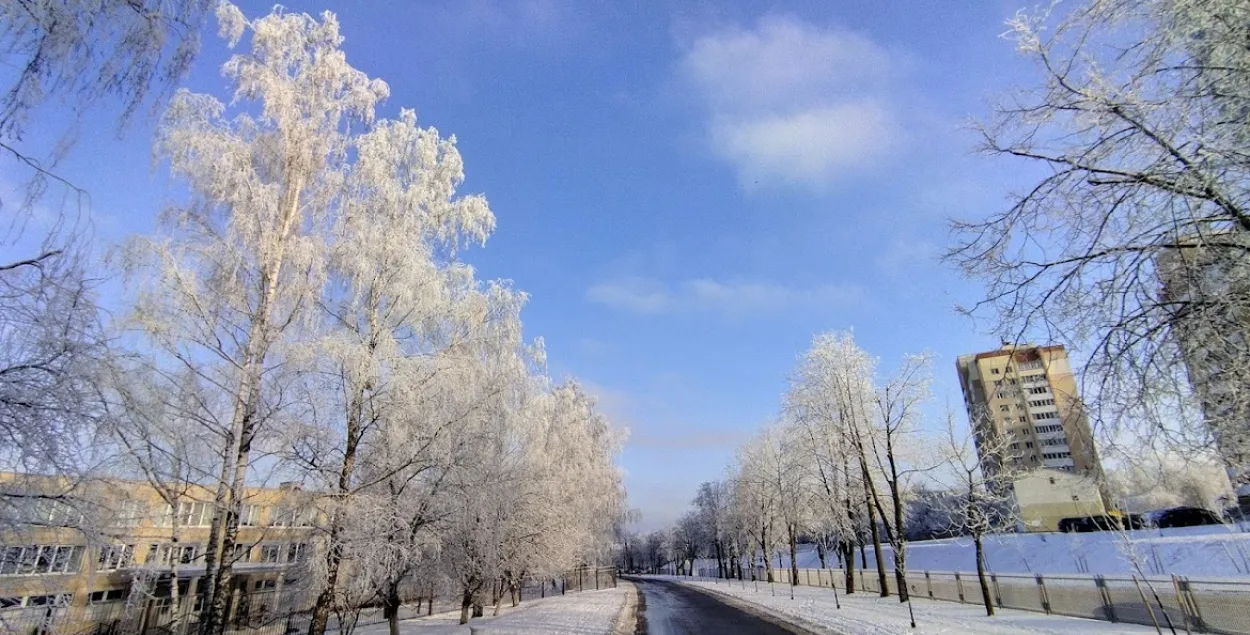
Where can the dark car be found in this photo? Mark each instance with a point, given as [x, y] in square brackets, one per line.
[1102, 522]
[1183, 517]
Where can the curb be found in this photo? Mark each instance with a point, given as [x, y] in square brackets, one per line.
[626, 622]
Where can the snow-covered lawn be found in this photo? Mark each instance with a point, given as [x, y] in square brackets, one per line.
[588, 613]
[1216, 551]
[863, 614]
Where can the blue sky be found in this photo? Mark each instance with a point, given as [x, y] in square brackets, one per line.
[689, 191]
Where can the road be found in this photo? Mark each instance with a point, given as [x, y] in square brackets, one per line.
[668, 608]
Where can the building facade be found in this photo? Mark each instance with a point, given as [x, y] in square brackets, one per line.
[1025, 398]
[1044, 497]
[1206, 293]
[80, 555]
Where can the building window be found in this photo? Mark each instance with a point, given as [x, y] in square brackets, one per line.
[1037, 363]
[296, 552]
[114, 557]
[130, 513]
[270, 553]
[101, 597]
[169, 553]
[1015, 446]
[59, 600]
[10, 602]
[242, 553]
[1039, 416]
[1004, 408]
[248, 515]
[993, 371]
[262, 585]
[1038, 403]
[1024, 419]
[1038, 390]
[40, 559]
[1028, 444]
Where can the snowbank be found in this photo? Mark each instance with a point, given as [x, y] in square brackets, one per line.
[1207, 552]
[862, 614]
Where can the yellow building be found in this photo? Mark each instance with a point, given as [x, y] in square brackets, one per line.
[1026, 396]
[1044, 497]
[73, 554]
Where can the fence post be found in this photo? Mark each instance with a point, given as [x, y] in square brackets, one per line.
[928, 583]
[596, 578]
[1041, 589]
[959, 584]
[1192, 599]
[1101, 583]
[998, 593]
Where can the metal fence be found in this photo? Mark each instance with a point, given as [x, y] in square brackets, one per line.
[1184, 603]
[261, 613]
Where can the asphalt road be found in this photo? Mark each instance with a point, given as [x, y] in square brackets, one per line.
[668, 608]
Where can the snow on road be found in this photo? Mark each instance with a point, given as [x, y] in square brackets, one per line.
[588, 613]
[863, 614]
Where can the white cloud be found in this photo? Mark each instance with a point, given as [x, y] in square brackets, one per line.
[653, 297]
[790, 102]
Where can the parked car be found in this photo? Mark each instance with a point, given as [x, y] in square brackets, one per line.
[1102, 522]
[1182, 517]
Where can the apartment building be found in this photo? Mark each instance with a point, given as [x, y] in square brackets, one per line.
[99, 552]
[1027, 395]
[1206, 289]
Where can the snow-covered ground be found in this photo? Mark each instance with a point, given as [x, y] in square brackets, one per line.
[863, 614]
[1200, 552]
[588, 613]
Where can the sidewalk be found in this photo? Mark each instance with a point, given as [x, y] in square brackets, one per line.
[586, 613]
[869, 614]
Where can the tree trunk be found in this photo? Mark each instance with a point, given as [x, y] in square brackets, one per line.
[872, 526]
[985, 585]
[794, 556]
[390, 609]
[768, 562]
[848, 556]
[466, 602]
[334, 549]
[720, 560]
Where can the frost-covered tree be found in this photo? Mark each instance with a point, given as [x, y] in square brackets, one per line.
[402, 322]
[52, 350]
[832, 387]
[1131, 245]
[712, 503]
[895, 447]
[981, 501]
[234, 273]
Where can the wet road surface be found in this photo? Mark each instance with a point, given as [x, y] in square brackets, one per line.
[668, 608]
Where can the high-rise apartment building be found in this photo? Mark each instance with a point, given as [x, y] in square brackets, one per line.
[1028, 394]
[1206, 289]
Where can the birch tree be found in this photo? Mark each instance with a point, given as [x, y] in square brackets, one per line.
[832, 387]
[894, 446]
[235, 272]
[1131, 246]
[982, 501]
[396, 309]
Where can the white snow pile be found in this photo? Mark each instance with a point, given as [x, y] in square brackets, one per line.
[864, 614]
[587, 613]
[1215, 551]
